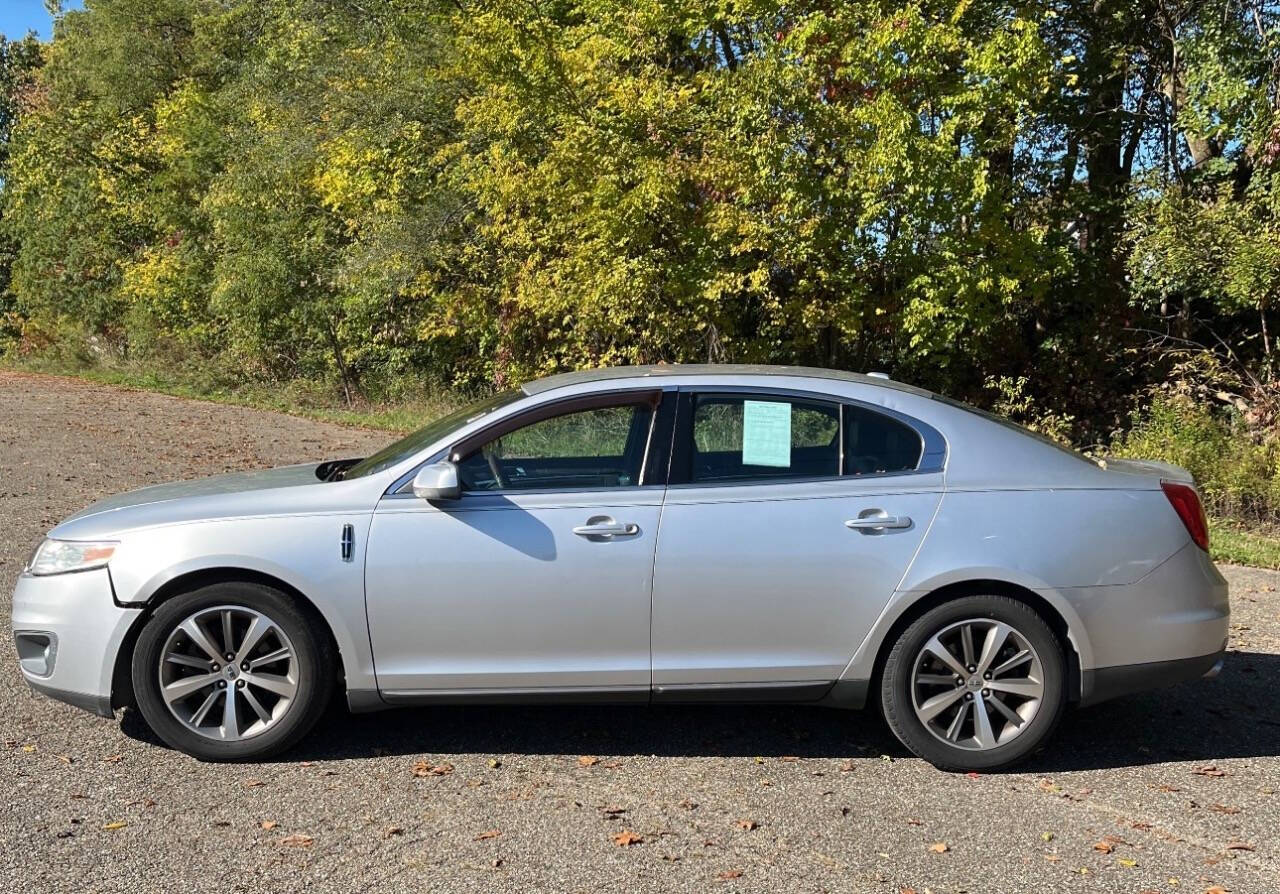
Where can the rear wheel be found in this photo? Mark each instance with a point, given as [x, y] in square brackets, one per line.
[232, 671]
[974, 684]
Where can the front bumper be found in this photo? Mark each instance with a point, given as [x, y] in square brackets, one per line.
[68, 631]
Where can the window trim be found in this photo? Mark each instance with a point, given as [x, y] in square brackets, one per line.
[933, 453]
[653, 397]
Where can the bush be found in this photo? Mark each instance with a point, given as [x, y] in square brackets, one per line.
[1237, 470]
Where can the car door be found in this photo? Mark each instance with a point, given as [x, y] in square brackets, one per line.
[538, 577]
[788, 523]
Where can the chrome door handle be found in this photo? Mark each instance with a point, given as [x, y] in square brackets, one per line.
[606, 527]
[878, 522]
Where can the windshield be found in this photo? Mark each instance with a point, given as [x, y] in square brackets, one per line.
[407, 446]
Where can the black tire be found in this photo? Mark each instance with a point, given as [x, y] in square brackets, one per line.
[315, 671]
[898, 705]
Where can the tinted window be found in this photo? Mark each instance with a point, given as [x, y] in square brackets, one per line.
[750, 438]
[596, 448]
[875, 443]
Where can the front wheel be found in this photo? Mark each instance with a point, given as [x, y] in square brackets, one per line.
[975, 684]
[231, 671]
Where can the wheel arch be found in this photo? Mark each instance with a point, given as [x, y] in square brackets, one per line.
[121, 677]
[1043, 605]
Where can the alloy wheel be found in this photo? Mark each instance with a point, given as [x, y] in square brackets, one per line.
[228, 673]
[977, 684]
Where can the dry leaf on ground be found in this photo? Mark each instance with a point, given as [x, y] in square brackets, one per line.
[626, 838]
[485, 836]
[297, 840]
[423, 769]
[939, 847]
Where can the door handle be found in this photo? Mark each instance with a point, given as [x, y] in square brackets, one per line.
[603, 526]
[879, 522]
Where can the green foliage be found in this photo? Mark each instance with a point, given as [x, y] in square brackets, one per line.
[1238, 473]
[979, 196]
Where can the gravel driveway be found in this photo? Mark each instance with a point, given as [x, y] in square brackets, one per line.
[1174, 791]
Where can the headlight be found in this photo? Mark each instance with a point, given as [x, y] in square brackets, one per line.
[59, 556]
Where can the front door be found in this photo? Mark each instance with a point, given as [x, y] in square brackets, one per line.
[538, 578]
[787, 526]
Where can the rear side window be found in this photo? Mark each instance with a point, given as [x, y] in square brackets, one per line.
[744, 438]
[876, 444]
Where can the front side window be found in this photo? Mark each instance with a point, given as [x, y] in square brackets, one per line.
[739, 439]
[602, 447]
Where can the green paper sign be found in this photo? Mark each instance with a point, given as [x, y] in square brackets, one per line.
[766, 434]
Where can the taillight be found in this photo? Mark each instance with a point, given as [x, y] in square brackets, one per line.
[1186, 502]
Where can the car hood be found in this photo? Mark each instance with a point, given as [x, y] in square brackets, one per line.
[184, 501]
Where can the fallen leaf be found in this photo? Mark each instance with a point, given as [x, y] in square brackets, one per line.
[297, 840]
[118, 824]
[687, 804]
[113, 759]
[1216, 889]
[788, 758]
[485, 836]
[65, 758]
[1046, 836]
[253, 783]
[1052, 858]
[586, 761]
[1222, 808]
[391, 831]
[973, 775]
[1104, 847]
[1239, 846]
[494, 763]
[28, 749]
[626, 838]
[747, 824]
[613, 812]
[729, 875]
[1128, 863]
[423, 769]
[1209, 771]
[939, 847]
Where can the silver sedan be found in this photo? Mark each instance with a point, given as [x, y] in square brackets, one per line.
[646, 534]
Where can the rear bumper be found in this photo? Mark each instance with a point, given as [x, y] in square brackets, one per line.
[1103, 683]
[68, 631]
[1178, 612]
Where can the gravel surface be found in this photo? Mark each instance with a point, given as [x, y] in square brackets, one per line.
[1175, 791]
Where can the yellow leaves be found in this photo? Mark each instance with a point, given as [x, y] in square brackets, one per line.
[115, 825]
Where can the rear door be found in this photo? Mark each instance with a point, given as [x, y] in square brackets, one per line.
[789, 521]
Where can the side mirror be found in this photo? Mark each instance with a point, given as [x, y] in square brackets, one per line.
[438, 481]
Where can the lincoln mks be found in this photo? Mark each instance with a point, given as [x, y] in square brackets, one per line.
[648, 534]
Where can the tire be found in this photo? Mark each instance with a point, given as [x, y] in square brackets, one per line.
[280, 682]
[923, 695]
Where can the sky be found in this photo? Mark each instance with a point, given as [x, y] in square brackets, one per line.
[17, 17]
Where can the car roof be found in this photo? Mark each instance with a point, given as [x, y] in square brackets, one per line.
[690, 370]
